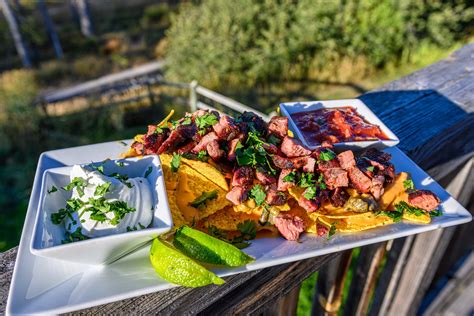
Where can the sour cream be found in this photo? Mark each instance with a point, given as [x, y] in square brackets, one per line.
[137, 195]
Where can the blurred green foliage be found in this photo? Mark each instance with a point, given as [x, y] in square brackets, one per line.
[243, 42]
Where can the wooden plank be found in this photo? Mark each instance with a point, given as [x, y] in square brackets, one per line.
[327, 298]
[287, 305]
[364, 278]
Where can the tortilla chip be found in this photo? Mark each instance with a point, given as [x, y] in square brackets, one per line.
[191, 185]
[226, 219]
[361, 222]
[421, 219]
[178, 219]
[208, 171]
[171, 178]
[250, 207]
[393, 190]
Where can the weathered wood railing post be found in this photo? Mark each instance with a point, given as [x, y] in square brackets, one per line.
[193, 96]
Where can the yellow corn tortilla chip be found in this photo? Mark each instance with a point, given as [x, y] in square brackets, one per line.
[226, 219]
[250, 207]
[208, 171]
[393, 191]
[421, 219]
[361, 222]
[191, 185]
[171, 178]
[178, 219]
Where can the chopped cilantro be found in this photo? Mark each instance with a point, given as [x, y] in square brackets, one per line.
[258, 194]
[148, 171]
[310, 193]
[141, 226]
[201, 200]
[74, 236]
[306, 180]
[216, 232]
[327, 155]
[120, 163]
[272, 139]
[371, 168]
[332, 230]
[202, 155]
[78, 183]
[175, 162]
[206, 120]
[396, 215]
[436, 213]
[409, 185]
[100, 190]
[248, 229]
[405, 208]
[122, 178]
[291, 177]
[53, 189]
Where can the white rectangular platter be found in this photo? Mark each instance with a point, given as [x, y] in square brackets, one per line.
[44, 285]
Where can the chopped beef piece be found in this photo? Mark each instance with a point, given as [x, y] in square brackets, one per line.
[214, 151]
[151, 129]
[278, 126]
[275, 197]
[237, 195]
[389, 173]
[293, 148]
[346, 159]
[377, 155]
[309, 205]
[310, 164]
[339, 197]
[242, 176]
[177, 136]
[264, 177]
[335, 178]
[249, 121]
[270, 148]
[327, 144]
[282, 162]
[424, 199]
[232, 147]
[282, 184]
[321, 230]
[139, 148]
[199, 113]
[377, 186]
[153, 143]
[290, 226]
[186, 148]
[226, 129]
[325, 165]
[204, 141]
[359, 180]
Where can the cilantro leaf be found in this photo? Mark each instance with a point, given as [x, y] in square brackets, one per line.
[409, 185]
[100, 190]
[175, 162]
[201, 200]
[291, 177]
[203, 156]
[332, 230]
[120, 163]
[74, 236]
[327, 155]
[258, 194]
[309, 193]
[371, 168]
[53, 189]
[306, 180]
[206, 120]
[148, 171]
[77, 183]
[248, 229]
[436, 213]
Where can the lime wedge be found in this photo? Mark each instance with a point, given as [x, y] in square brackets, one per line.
[205, 248]
[176, 268]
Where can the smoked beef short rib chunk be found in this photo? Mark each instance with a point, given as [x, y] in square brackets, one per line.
[424, 199]
[214, 151]
[335, 178]
[206, 139]
[278, 126]
[293, 148]
[237, 195]
[242, 176]
[339, 197]
[275, 197]
[289, 226]
[346, 159]
[377, 186]
[282, 184]
[226, 129]
[359, 180]
[264, 177]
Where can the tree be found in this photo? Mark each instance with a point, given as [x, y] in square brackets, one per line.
[82, 9]
[50, 29]
[14, 30]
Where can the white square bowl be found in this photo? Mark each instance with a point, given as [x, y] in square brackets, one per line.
[289, 108]
[47, 236]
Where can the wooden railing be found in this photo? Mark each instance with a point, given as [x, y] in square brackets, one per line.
[432, 113]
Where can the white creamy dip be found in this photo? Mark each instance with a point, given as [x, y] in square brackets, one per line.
[138, 196]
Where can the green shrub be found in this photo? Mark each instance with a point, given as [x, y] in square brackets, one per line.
[88, 67]
[156, 14]
[52, 72]
[222, 42]
[18, 117]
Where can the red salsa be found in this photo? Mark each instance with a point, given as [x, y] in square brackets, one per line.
[336, 125]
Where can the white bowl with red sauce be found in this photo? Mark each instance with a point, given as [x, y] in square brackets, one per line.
[347, 124]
